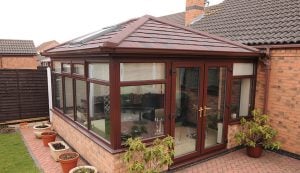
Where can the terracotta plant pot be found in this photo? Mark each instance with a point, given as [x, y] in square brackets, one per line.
[85, 169]
[68, 161]
[254, 152]
[40, 128]
[48, 137]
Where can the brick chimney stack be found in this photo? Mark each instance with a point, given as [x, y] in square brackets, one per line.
[194, 8]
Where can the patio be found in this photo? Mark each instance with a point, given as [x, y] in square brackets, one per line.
[234, 162]
[239, 162]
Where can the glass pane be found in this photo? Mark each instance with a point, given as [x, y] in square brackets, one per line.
[69, 111]
[99, 110]
[79, 69]
[215, 106]
[142, 71]
[67, 68]
[241, 97]
[58, 93]
[81, 102]
[187, 99]
[99, 71]
[57, 66]
[142, 111]
[240, 69]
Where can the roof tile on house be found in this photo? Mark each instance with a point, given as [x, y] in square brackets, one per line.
[150, 33]
[253, 22]
[17, 47]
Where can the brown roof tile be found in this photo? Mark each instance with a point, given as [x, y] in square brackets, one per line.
[17, 47]
[150, 33]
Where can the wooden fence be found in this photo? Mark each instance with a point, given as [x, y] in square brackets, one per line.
[23, 94]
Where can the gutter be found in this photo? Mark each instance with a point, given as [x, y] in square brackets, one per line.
[267, 64]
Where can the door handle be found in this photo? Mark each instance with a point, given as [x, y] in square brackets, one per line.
[200, 111]
[205, 109]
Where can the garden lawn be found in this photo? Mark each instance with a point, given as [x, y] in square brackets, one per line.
[14, 156]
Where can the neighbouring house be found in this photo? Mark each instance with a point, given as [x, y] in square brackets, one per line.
[17, 54]
[273, 27]
[149, 78]
[42, 60]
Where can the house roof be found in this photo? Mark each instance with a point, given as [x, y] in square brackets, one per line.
[17, 47]
[254, 22]
[47, 45]
[152, 34]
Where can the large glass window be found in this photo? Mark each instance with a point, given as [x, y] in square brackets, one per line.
[142, 71]
[69, 106]
[81, 102]
[100, 110]
[79, 69]
[57, 66]
[142, 111]
[66, 68]
[99, 71]
[242, 90]
[58, 102]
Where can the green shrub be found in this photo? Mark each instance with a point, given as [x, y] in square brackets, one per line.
[153, 159]
[257, 131]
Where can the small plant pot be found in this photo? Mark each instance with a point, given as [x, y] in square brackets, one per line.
[39, 129]
[68, 161]
[84, 169]
[48, 137]
[254, 152]
[57, 148]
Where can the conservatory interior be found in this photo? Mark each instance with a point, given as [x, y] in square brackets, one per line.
[149, 78]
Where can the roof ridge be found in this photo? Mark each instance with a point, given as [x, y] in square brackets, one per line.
[118, 38]
[205, 34]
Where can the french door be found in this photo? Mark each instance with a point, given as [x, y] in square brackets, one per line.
[198, 108]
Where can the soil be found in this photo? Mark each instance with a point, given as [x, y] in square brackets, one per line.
[84, 170]
[4, 129]
[58, 146]
[68, 156]
[41, 126]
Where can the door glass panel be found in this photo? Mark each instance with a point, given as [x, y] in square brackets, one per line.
[187, 100]
[215, 106]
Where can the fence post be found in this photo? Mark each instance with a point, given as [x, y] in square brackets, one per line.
[49, 92]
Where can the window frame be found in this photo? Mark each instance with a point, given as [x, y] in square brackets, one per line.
[139, 83]
[252, 91]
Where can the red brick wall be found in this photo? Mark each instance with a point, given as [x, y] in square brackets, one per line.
[191, 14]
[284, 97]
[19, 62]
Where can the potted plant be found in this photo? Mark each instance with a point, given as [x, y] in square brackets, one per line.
[57, 148]
[68, 161]
[257, 134]
[40, 128]
[84, 169]
[139, 158]
[48, 136]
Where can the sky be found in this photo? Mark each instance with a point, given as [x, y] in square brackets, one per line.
[63, 20]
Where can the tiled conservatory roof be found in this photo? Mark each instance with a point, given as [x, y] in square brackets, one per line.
[150, 33]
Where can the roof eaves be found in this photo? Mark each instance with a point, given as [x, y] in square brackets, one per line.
[118, 38]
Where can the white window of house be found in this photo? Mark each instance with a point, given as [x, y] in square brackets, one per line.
[142, 71]
[242, 90]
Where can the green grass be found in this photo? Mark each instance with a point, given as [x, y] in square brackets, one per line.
[14, 156]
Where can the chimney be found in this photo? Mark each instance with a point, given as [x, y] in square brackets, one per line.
[194, 8]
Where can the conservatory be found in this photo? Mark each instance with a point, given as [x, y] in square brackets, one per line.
[149, 78]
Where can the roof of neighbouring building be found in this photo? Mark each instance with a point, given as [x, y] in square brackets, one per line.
[17, 47]
[251, 22]
[47, 45]
[150, 33]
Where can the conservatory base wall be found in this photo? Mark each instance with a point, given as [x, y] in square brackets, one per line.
[96, 155]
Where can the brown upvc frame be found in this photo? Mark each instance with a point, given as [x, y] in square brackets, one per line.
[252, 90]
